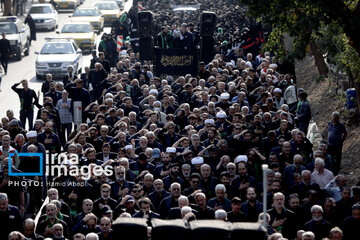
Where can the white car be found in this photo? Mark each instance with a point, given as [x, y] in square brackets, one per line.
[56, 55]
[45, 16]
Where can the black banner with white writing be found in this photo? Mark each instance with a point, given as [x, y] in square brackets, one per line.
[176, 62]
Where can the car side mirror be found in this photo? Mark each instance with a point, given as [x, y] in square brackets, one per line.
[36, 52]
[78, 50]
[22, 30]
[57, 32]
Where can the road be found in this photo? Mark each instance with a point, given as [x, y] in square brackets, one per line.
[25, 69]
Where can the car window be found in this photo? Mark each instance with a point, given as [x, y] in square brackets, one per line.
[8, 28]
[76, 28]
[86, 12]
[40, 9]
[107, 6]
[57, 48]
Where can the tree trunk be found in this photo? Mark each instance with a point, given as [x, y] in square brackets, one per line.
[7, 7]
[319, 59]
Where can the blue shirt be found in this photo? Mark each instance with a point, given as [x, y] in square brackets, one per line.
[335, 133]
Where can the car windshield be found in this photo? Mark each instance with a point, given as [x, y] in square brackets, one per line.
[78, 28]
[107, 6]
[86, 12]
[57, 48]
[8, 28]
[40, 9]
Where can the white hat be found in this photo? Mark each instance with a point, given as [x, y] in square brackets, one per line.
[157, 102]
[197, 160]
[225, 96]
[241, 158]
[171, 150]
[273, 65]
[277, 90]
[128, 147]
[153, 91]
[31, 134]
[123, 52]
[209, 121]
[221, 114]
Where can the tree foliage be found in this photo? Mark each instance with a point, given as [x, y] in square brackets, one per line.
[305, 19]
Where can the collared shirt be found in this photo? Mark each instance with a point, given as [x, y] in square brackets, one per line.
[322, 178]
[64, 112]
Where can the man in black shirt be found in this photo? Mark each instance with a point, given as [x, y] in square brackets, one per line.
[4, 51]
[28, 99]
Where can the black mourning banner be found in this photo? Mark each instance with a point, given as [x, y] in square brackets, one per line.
[176, 62]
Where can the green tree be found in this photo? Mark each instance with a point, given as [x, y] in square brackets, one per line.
[307, 21]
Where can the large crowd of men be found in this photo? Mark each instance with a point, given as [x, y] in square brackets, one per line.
[183, 147]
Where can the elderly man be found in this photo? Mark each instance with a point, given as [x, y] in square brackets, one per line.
[282, 219]
[321, 175]
[318, 225]
[29, 230]
[220, 202]
[204, 211]
[336, 136]
[46, 227]
[159, 194]
[171, 201]
[176, 212]
[10, 217]
[291, 169]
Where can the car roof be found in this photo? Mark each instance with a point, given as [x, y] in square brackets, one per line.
[41, 4]
[77, 23]
[58, 40]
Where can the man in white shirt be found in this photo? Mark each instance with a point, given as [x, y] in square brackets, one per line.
[321, 175]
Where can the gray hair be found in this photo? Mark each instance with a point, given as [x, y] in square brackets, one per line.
[316, 207]
[308, 234]
[3, 197]
[185, 210]
[305, 172]
[220, 187]
[336, 113]
[220, 214]
[57, 203]
[320, 161]
[92, 236]
[183, 198]
[185, 166]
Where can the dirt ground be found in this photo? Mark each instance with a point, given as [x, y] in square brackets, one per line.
[323, 100]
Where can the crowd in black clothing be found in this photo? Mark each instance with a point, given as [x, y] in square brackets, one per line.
[185, 148]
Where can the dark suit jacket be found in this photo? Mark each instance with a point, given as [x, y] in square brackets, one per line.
[140, 214]
[175, 213]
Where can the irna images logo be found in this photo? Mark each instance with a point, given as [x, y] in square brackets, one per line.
[60, 164]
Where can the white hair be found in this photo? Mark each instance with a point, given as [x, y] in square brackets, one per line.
[320, 161]
[185, 210]
[316, 207]
[308, 234]
[220, 187]
[92, 236]
[220, 214]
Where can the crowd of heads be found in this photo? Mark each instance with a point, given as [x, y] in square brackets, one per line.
[181, 147]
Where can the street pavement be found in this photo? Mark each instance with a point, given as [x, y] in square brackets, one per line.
[25, 69]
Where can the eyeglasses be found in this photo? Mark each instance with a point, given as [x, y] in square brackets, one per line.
[136, 191]
[237, 128]
[176, 189]
[195, 182]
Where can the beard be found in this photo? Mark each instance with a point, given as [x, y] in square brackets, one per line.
[317, 219]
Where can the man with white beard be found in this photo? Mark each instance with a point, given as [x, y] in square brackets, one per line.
[318, 225]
